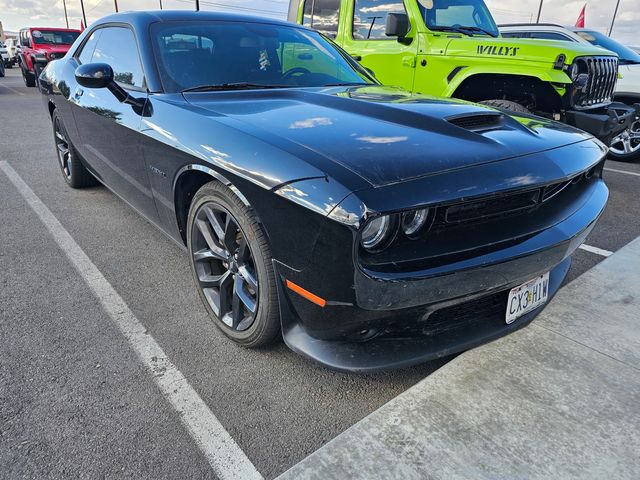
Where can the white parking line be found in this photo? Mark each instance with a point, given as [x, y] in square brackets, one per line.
[223, 453]
[596, 250]
[622, 171]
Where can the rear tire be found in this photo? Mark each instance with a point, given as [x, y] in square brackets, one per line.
[232, 266]
[507, 105]
[73, 171]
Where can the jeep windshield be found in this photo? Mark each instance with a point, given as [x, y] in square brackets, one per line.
[218, 55]
[54, 37]
[469, 17]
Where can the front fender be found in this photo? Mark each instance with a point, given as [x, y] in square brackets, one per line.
[534, 70]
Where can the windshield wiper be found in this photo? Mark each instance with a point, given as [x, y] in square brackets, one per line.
[469, 31]
[481, 30]
[231, 86]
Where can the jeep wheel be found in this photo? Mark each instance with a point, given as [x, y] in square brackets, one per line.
[28, 77]
[507, 105]
[626, 146]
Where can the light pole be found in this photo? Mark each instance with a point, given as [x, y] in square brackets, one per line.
[115, 2]
[615, 14]
[84, 15]
[66, 17]
[539, 11]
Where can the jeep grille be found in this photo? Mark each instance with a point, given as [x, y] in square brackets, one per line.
[603, 75]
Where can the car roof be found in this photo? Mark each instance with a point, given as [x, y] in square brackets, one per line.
[147, 17]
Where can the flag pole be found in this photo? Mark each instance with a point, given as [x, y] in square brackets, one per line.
[84, 15]
[539, 11]
[66, 17]
[615, 14]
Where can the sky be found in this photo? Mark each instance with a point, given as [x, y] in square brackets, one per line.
[18, 13]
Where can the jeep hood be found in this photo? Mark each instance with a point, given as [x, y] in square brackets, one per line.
[532, 50]
[382, 134]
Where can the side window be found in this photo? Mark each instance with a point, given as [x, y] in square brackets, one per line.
[370, 17]
[323, 16]
[86, 54]
[549, 36]
[117, 47]
[514, 35]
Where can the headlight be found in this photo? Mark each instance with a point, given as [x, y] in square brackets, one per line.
[412, 222]
[574, 70]
[377, 233]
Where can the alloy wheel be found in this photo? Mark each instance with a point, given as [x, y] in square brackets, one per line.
[62, 146]
[628, 142]
[225, 267]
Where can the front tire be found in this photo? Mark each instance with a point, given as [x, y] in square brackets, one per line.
[74, 172]
[28, 77]
[232, 266]
[626, 146]
[507, 105]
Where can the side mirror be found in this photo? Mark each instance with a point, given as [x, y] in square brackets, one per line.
[397, 25]
[100, 75]
[94, 75]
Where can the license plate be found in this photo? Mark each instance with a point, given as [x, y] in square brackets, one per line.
[527, 297]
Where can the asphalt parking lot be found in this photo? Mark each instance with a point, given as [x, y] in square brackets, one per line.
[74, 398]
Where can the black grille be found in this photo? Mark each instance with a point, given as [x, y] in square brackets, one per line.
[467, 314]
[603, 75]
[499, 206]
[478, 123]
[503, 205]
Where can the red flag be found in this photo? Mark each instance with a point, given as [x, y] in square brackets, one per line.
[580, 21]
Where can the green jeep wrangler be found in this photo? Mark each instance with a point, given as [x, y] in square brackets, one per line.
[452, 48]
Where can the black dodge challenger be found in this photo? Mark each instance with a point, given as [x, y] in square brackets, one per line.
[371, 228]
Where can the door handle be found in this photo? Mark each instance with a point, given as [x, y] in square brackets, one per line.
[409, 61]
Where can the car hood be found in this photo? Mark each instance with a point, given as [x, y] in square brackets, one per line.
[532, 50]
[382, 134]
[53, 48]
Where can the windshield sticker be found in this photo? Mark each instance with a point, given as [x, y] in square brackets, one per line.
[498, 51]
[36, 33]
[264, 60]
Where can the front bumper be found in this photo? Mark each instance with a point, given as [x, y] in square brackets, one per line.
[401, 322]
[604, 123]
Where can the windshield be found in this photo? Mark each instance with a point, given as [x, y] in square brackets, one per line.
[54, 37]
[596, 38]
[232, 55]
[443, 14]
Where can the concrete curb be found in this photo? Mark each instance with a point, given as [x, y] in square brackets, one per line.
[559, 399]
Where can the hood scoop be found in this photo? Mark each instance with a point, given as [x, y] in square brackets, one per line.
[480, 122]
